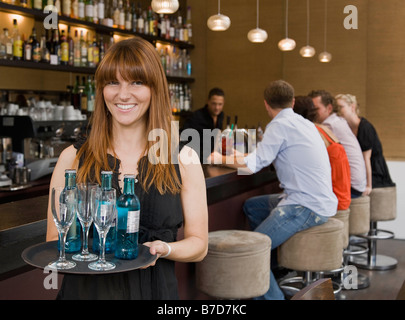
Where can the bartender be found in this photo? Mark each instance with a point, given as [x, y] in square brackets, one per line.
[210, 117]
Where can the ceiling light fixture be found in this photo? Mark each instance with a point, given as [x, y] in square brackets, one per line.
[165, 6]
[307, 51]
[325, 56]
[219, 22]
[286, 44]
[257, 35]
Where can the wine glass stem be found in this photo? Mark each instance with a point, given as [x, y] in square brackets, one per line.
[62, 241]
[102, 245]
[85, 229]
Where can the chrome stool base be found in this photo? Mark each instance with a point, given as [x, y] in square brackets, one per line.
[377, 262]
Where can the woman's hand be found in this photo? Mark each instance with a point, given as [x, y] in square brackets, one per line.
[158, 248]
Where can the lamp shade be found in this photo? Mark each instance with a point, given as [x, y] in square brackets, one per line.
[257, 35]
[325, 57]
[307, 51]
[286, 44]
[218, 22]
[165, 6]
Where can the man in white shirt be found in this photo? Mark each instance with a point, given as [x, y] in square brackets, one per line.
[324, 104]
[299, 156]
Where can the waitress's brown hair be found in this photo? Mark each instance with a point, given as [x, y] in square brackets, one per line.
[136, 60]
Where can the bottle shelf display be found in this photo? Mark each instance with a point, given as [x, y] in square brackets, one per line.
[174, 49]
[77, 45]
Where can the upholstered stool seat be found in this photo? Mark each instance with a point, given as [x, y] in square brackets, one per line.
[237, 265]
[344, 216]
[383, 207]
[359, 225]
[315, 249]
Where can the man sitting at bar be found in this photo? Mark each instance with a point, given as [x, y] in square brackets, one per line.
[210, 117]
[326, 108]
[299, 156]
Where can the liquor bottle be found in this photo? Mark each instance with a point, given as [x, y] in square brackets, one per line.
[45, 54]
[64, 48]
[189, 25]
[71, 47]
[75, 9]
[96, 52]
[24, 3]
[121, 16]
[101, 48]
[83, 50]
[88, 13]
[90, 49]
[76, 94]
[140, 21]
[27, 48]
[128, 215]
[83, 96]
[90, 96]
[81, 10]
[95, 11]
[66, 8]
[76, 50]
[128, 16]
[55, 48]
[8, 43]
[3, 48]
[17, 42]
[58, 6]
[73, 237]
[116, 14]
[106, 184]
[134, 17]
[100, 11]
[225, 145]
[35, 47]
[37, 4]
[151, 22]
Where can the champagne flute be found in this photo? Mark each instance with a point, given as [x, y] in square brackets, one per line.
[64, 208]
[87, 193]
[103, 219]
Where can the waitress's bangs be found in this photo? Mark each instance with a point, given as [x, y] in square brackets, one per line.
[125, 61]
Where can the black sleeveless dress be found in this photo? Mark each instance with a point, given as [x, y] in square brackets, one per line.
[161, 217]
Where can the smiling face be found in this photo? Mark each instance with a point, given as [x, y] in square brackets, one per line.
[127, 100]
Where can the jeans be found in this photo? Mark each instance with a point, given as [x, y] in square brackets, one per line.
[279, 223]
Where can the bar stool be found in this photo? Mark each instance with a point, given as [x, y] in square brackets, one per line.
[313, 250]
[359, 225]
[237, 265]
[383, 207]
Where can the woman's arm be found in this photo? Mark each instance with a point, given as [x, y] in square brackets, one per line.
[65, 161]
[367, 160]
[194, 246]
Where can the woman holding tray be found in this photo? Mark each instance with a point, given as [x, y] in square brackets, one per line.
[132, 102]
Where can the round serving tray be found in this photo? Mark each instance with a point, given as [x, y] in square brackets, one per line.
[40, 255]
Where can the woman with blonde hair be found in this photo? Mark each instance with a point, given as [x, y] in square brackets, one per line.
[132, 102]
[376, 167]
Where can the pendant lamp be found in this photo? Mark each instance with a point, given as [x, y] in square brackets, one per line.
[307, 51]
[218, 22]
[165, 6]
[286, 44]
[325, 56]
[257, 35]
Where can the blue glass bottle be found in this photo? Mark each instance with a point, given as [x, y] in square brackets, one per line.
[73, 237]
[106, 184]
[128, 208]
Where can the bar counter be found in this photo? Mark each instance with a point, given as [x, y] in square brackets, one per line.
[23, 223]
